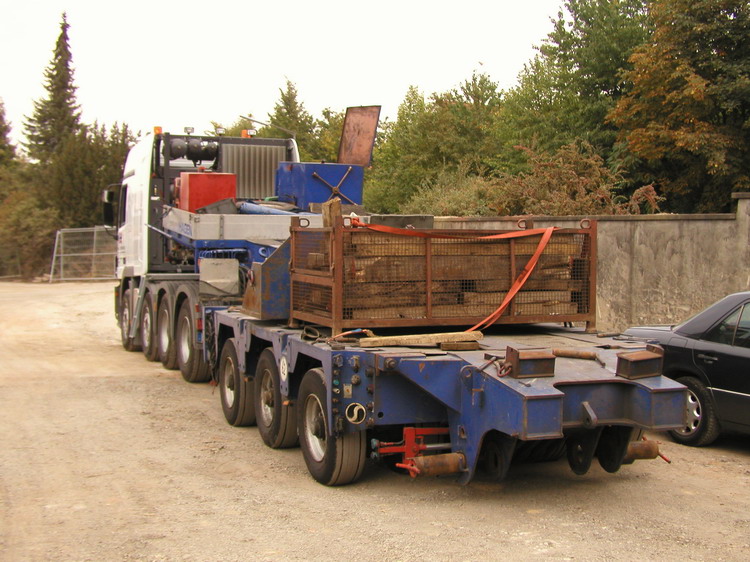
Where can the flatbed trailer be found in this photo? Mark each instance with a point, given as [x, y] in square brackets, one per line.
[436, 412]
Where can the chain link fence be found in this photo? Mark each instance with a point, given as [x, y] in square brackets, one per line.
[84, 254]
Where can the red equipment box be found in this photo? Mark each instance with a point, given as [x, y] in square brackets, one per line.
[196, 189]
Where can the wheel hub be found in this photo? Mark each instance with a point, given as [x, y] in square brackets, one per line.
[693, 409]
[318, 427]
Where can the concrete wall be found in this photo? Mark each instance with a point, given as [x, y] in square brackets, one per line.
[656, 269]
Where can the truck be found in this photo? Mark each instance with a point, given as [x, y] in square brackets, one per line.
[240, 265]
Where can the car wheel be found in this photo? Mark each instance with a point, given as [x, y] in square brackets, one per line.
[701, 427]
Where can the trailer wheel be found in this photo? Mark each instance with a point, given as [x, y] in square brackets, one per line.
[237, 399]
[333, 460]
[189, 360]
[126, 316]
[277, 421]
[164, 343]
[148, 333]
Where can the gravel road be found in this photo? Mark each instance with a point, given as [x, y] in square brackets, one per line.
[106, 456]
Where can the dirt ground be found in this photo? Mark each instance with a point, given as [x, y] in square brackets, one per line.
[105, 456]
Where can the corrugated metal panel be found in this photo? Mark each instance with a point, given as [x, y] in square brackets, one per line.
[255, 167]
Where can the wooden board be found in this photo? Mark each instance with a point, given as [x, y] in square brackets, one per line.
[420, 339]
[523, 297]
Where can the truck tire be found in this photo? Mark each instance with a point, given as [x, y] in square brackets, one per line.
[331, 460]
[164, 343]
[702, 427]
[277, 421]
[126, 317]
[147, 329]
[189, 359]
[237, 396]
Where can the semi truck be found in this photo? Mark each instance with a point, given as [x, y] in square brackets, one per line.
[329, 328]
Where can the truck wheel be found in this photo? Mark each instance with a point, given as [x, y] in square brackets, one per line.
[126, 316]
[237, 399]
[277, 421]
[189, 360]
[164, 343]
[331, 460]
[148, 336]
[702, 427]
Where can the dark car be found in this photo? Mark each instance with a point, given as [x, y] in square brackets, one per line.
[710, 355]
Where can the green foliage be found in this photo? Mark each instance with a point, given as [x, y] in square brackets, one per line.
[328, 135]
[27, 235]
[687, 117]
[290, 118]
[565, 93]
[454, 192]
[56, 116]
[401, 161]
[7, 150]
[84, 164]
[572, 181]
[456, 128]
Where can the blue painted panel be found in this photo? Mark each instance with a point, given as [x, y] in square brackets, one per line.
[305, 183]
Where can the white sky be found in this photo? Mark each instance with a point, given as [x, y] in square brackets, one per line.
[179, 63]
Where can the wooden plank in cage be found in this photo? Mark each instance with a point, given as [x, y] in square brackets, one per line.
[527, 297]
[546, 309]
[383, 269]
[390, 312]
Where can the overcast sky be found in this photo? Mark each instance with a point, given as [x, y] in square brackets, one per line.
[187, 63]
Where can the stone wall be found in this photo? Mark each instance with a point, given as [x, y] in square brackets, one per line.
[656, 269]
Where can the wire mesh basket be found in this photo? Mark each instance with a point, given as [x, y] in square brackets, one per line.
[353, 277]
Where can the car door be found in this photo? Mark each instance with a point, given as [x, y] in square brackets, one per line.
[723, 354]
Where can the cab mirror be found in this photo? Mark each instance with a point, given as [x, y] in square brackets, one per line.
[108, 207]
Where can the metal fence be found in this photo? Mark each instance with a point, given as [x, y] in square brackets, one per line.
[84, 254]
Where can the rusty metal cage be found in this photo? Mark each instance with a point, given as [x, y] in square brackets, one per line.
[352, 277]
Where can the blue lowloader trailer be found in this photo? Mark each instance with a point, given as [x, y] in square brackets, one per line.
[327, 329]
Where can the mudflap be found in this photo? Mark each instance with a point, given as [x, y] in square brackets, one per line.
[608, 444]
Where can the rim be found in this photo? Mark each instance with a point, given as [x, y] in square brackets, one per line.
[227, 388]
[185, 341]
[146, 327]
[315, 428]
[163, 329]
[693, 409]
[266, 398]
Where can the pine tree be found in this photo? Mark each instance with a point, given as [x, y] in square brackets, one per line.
[58, 115]
[289, 114]
[7, 150]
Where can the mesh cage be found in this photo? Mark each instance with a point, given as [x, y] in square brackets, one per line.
[377, 279]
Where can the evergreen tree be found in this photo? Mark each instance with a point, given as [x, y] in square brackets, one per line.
[82, 166]
[56, 116]
[289, 118]
[7, 150]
